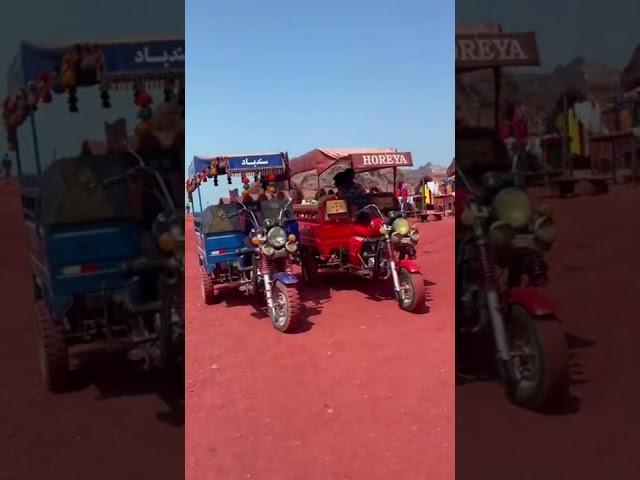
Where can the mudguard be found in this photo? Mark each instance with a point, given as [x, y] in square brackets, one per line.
[285, 278]
[532, 300]
[409, 265]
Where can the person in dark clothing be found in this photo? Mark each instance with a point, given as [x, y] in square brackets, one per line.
[346, 185]
[6, 166]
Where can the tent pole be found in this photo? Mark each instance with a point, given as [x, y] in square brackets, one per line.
[18, 160]
[34, 135]
[200, 199]
[394, 179]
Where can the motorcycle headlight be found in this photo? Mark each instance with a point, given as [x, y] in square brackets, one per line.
[268, 250]
[544, 229]
[512, 205]
[277, 237]
[167, 242]
[291, 247]
[396, 237]
[178, 232]
[500, 234]
[544, 210]
[401, 226]
[415, 236]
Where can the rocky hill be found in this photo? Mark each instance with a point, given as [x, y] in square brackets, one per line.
[382, 179]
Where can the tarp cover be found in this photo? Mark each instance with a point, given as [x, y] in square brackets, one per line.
[215, 219]
[322, 159]
[271, 209]
[71, 191]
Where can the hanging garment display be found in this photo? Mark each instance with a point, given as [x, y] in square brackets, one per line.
[626, 120]
[573, 131]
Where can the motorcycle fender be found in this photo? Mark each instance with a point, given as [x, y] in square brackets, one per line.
[532, 300]
[285, 278]
[409, 265]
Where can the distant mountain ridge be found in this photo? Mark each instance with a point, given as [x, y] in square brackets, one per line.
[381, 179]
[538, 91]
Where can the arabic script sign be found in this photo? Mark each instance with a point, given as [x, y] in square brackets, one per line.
[496, 50]
[256, 162]
[144, 57]
[381, 160]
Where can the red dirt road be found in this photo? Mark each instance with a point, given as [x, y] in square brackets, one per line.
[594, 279]
[362, 391]
[116, 423]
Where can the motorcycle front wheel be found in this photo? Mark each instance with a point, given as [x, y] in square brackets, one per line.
[412, 292]
[540, 360]
[286, 307]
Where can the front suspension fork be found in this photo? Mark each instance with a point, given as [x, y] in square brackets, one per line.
[393, 268]
[492, 298]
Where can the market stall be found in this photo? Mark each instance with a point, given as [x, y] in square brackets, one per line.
[40, 73]
[270, 169]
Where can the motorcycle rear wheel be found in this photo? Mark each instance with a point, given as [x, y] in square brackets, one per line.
[309, 266]
[54, 356]
[541, 380]
[207, 288]
[286, 301]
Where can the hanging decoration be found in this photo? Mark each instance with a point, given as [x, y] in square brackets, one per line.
[44, 87]
[105, 97]
[245, 186]
[272, 187]
[169, 89]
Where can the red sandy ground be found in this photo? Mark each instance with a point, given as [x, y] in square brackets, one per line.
[363, 391]
[115, 424]
[594, 278]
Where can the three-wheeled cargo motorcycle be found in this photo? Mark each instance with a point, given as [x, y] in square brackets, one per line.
[107, 248]
[249, 244]
[366, 234]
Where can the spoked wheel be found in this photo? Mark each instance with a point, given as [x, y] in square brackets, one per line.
[207, 287]
[540, 360]
[54, 357]
[286, 307]
[412, 292]
[309, 266]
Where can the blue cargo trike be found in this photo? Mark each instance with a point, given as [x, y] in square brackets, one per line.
[252, 245]
[107, 261]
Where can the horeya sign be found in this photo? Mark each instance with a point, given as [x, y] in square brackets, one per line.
[485, 50]
[381, 160]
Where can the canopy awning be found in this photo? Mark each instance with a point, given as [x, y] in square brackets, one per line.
[361, 159]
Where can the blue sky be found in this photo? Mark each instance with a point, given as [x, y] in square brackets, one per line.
[292, 76]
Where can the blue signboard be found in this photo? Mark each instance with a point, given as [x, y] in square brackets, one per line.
[243, 163]
[256, 162]
[162, 56]
[121, 59]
